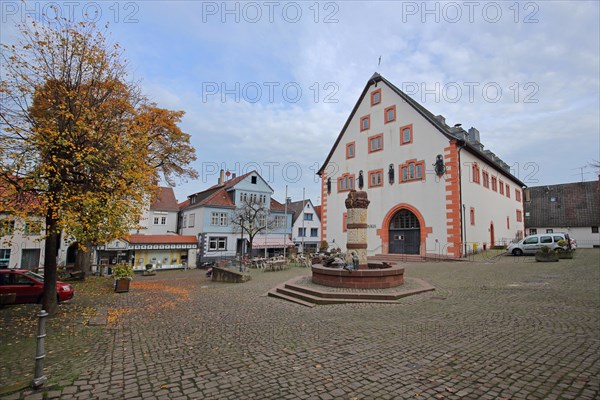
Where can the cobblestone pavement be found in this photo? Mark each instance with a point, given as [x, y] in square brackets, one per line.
[504, 328]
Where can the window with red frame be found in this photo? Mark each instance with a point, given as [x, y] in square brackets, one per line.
[376, 178]
[345, 183]
[375, 97]
[472, 215]
[389, 114]
[507, 190]
[519, 216]
[413, 170]
[517, 195]
[344, 222]
[406, 135]
[494, 184]
[501, 185]
[375, 143]
[475, 170]
[365, 123]
[350, 150]
[486, 179]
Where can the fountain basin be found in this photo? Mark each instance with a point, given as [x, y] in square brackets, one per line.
[377, 276]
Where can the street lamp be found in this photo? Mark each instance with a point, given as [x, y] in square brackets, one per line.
[285, 222]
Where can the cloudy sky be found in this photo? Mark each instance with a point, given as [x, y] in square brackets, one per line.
[269, 85]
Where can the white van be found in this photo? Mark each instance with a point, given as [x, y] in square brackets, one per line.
[533, 243]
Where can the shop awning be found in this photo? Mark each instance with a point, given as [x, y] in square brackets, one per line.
[271, 243]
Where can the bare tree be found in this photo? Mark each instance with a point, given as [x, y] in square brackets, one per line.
[250, 219]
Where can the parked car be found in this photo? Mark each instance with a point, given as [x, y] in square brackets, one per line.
[28, 287]
[531, 244]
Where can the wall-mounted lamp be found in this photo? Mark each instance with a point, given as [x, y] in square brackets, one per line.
[440, 168]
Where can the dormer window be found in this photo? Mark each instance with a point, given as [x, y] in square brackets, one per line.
[193, 199]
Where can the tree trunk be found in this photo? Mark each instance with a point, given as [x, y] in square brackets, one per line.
[83, 260]
[50, 252]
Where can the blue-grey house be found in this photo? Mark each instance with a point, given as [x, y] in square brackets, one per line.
[213, 217]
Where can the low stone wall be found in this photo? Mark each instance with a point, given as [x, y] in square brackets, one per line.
[227, 275]
[387, 277]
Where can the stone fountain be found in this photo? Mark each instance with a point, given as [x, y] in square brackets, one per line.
[358, 273]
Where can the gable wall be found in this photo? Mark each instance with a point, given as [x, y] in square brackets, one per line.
[427, 196]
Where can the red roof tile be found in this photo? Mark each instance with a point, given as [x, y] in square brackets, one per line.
[12, 199]
[164, 200]
[276, 206]
[232, 182]
[218, 198]
[184, 204]
[218, 195]
[318, 210]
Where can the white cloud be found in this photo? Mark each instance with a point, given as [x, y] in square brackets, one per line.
[176, 50]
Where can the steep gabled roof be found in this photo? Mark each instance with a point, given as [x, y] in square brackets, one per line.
[232, 182]
[277, 206]
[13, 197]
[565, 205]
[318, 211]
[297, 207]
[451, 133]
[220, 195]
[164, 200]
[184, 204]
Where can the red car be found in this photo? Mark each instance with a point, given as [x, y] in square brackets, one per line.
[28, 287]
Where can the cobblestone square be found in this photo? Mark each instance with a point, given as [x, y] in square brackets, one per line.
[495, 328]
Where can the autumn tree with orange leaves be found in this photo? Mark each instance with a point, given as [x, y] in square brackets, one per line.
[80, 146]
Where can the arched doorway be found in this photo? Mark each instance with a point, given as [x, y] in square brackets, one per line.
[72, 254]
[404, 233]
[492, 236]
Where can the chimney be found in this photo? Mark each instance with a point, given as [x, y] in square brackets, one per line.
[233, 175]
[441, 118]
[474, 136]
[490, 154]
[221, 177]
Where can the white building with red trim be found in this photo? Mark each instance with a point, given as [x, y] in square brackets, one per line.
[156, 242]
[389, 147]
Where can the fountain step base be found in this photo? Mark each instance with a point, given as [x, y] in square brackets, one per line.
[396, 258]
[294, 291]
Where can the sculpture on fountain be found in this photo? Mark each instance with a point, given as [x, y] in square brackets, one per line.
[357, 272]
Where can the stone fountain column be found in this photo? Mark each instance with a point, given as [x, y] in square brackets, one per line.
[356, 224]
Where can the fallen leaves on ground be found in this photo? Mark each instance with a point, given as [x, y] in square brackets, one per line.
[115, 313]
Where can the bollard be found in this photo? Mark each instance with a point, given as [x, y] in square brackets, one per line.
[38, 377]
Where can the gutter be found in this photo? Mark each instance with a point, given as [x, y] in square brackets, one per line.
[463, 228]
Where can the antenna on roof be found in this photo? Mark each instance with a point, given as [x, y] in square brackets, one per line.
[379, 64]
